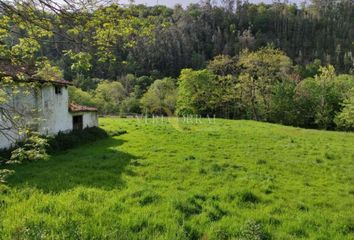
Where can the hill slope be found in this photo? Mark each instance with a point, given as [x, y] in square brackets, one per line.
[173, 180]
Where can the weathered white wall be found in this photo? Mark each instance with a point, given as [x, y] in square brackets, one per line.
[6, 140]
[25, 104]
[90, 119]
[55, 111]
[50, 108]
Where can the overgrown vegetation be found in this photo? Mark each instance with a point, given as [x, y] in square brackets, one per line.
[281, 63]
[65, 141]
[199, 179]
[260, 85]
[36, 147]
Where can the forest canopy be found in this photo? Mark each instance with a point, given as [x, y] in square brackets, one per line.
[278, 62]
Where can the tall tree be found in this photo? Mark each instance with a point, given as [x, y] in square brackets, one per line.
[260, 72]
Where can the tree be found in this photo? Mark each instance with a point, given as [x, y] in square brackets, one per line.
[160, 97]
[205, 93]
[130, 105]
[223, 65]
[345, 119]
[108, 97]
[283, 107]
[260, 72]
[48, 72]
[327, 97]
[318, 99]
[81, 66]
[195, 92]
[305, 101]
[310, 70]
[81, 97]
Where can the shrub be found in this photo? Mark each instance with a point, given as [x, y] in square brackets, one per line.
[4, 154]
[64, 141]
[35, 147]
[4, 173]
[32, 149]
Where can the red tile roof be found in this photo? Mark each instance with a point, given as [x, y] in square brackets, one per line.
[73, 107]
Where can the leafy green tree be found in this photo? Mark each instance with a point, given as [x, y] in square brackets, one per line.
[142, 40]
[130, 105]
[142, 85]
[319, 99]
[306, 100]
[81, 97]
[343, 83]
[108, 97]
[310, 70]
[20, 62]
[283, 108]
[225, 98]
[160, 97]
[115, 26]
[223, 65]
[203, 92]
[45, 70]
[327, 97]
[260, 72]
[195, 91]
[345, 118]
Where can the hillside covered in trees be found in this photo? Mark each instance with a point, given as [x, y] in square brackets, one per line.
[279, 62]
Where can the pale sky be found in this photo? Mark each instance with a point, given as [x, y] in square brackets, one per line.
[184, 3]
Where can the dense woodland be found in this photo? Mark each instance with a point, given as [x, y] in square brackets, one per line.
[189, 38]
[280, 62]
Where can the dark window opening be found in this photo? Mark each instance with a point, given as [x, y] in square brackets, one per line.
[77, 122]
[57, 90]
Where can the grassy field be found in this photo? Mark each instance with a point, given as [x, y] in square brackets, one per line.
[172, 180]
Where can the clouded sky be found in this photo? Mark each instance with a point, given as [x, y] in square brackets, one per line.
[171, 3]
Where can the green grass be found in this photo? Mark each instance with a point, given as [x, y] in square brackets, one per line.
[173, 180]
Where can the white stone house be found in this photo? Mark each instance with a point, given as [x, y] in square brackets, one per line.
[47, 108]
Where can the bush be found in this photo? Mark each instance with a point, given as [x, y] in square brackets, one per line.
[64, 141]
[32, 149]
[4, 173]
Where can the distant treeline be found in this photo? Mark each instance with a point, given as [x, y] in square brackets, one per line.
[277, 62]
[189, 38]
[262, 85]
[112, 41]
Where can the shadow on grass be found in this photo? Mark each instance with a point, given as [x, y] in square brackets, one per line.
[98, 165]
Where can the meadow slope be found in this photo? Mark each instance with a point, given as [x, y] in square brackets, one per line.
[166, 179]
